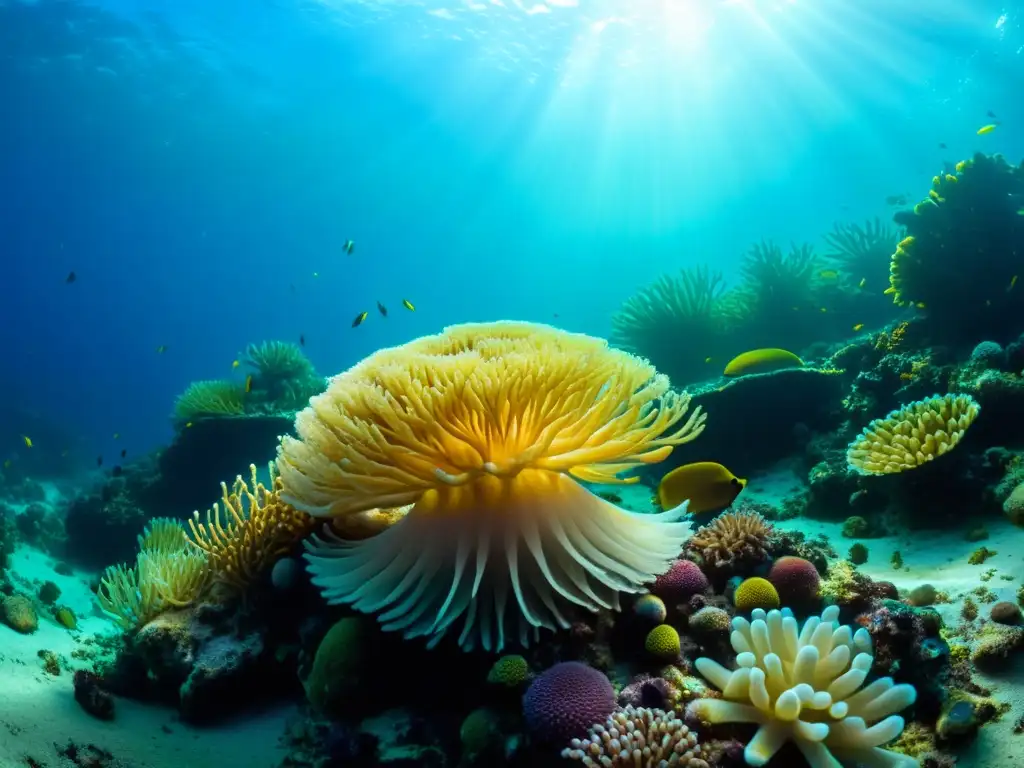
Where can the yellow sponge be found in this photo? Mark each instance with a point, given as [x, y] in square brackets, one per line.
[663, 642]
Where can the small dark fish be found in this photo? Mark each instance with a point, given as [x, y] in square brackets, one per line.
[991, 114]
[291, 287]
[555, 314]
[248, 384]
[161, 349]
[382, 309]
[99, 461]
[896, 200]
[302, 340]
[124, 452]
[70, 278]
[349, 246]
[359, 319]
[942, 145]
[117, 471]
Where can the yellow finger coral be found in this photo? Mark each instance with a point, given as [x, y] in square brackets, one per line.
[913, 435]
[805, 686]
[257, 529]
[483, 429]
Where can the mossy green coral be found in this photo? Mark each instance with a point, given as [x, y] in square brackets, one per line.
[509, 671]
[755, 592]
[663, 642]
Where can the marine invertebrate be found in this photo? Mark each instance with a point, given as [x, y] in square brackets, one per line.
[509, 671]
[650, 608]
[859, 250]
[162, 534]
[687, 304]
[681, 581]
[284, 378]
[733, 542]
[565, 700]
[709, 621]
[647, 691]
[913, 435]
[485, 429]
[248, 531]
[639, 738]
[805, 685]
[278, 360]
[663, 642]
[796, 579]
[209, 399]
[755, 593]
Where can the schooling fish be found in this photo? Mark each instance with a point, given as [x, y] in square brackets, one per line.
[828, 274]
[124, 452]
[382, 309]
[359, 319]
[1013, 282]
[302, 339]
[116, 471]
[708, 487]
[350, 246]
[408, 305]
[70, 278]
[942, 145]
[862, 283]
[986, 129]
[99, 461]
[858, 326]
[28, 441]
[161, 349]
[235, 363]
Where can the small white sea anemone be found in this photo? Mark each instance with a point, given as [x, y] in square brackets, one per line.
[805, 686]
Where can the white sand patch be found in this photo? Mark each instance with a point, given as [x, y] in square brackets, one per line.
[38, 710]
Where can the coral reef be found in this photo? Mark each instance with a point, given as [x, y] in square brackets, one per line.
[755, 593]
[734, 542]
[471, 475]
[680, 582]
[796, 580]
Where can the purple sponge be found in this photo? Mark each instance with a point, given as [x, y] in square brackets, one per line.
[565, 700]
[682, 580]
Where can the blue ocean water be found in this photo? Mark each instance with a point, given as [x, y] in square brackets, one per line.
[199, 167]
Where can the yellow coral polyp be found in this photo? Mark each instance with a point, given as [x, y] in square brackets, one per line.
[913, 435]
[485, 429]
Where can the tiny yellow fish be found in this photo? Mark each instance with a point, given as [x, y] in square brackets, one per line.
[824, 310]
[909, 240]
[161, 349]
[933, 194]
[117, 435]
[188, 424]
[28, 441]
[408, 305]
[1013, 282]
[921, 305]
[349, 246]
[248, 384]
[828, 274]
[235, 363]
[359, 319]
[707, 359]
[952, 179]
[862, 283]
[1020, 212]
[960, 166]
[858, 326]
[986, 129]
[316, 274]
[936, 181]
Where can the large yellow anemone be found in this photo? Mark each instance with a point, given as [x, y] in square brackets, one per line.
[485, 429]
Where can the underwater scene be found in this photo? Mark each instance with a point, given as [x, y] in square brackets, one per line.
[511, 383]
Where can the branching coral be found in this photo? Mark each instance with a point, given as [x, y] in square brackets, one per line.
[248, 531]
[639, 738]
[485, 429]
[913, 435]
[688, 305]
[963, 250]
[805, 685]
[732, 542]
[208, 399]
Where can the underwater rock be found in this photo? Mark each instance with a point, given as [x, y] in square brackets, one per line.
[987, 354]
[91, 697]
[1005, 613]
[749, 434]
[647, 691]
[339, 666]
[406, 741]
[43, 528]
[18, 612]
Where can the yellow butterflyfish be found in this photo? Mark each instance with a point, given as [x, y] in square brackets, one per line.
[858, 326]
[986, 129]
[28, 441]
[707, 485]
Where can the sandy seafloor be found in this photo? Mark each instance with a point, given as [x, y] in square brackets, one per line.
[38, 711]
